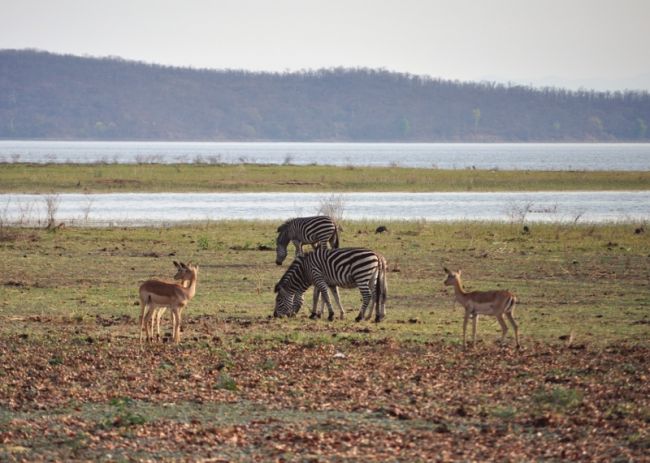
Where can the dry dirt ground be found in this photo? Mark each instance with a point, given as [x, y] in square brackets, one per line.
[86, 390]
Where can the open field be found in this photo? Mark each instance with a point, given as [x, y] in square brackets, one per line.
[96, 178]
[242, 386]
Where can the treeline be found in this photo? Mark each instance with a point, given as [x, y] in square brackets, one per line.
[49, 96]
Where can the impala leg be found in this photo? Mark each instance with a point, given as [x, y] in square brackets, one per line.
[149, 315]
[174, 323]
[465, 319]
[143, 308]
[504, 328]
[159, 314]
[178, 325]
[177, 332]
[512, 321]
[474, 322]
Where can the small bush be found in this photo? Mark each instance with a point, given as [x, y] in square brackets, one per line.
[226, 382]
[203, 243]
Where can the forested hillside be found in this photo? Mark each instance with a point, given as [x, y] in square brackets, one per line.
[44, 95]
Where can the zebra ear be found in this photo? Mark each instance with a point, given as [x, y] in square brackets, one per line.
[177, 265]
[446, 270]
[277, 288]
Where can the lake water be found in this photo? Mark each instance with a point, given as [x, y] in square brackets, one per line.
[133, 209]
[503, 156]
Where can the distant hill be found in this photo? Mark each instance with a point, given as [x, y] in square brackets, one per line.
[48, 96]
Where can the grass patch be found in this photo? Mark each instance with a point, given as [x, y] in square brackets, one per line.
[88, 279]
[45, 178]
[558, 398]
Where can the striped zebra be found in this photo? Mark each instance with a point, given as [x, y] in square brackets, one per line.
[329, 268]
[317, 230]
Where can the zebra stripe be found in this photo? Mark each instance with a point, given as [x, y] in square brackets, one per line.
[329, 268]
[317, 230]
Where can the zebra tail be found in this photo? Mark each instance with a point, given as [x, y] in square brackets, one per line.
[380, 289]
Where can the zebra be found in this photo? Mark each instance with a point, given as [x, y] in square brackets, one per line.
[330, 268]
[317, 230]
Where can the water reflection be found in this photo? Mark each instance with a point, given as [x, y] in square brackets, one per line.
[169, 208]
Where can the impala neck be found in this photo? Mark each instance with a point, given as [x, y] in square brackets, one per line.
[458, 289]
[191, 289]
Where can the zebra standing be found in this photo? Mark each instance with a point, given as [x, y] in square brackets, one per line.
[317, 230]
[328, 268]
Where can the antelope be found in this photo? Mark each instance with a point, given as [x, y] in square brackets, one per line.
[153, 320]
[495, 303]
[157, 295]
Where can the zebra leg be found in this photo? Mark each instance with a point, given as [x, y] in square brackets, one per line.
[373, 295]
[335, 292]
[315, 313]
[322, 288]
[366, 296]
[298, 245]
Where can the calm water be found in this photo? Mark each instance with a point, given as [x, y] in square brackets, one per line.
[170, 208]
[504, 156]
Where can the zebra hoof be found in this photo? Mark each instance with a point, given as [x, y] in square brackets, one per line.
[358, 318]
[330, 317]
[378, 319]
[314, 316]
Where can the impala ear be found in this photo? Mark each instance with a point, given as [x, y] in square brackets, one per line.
[459, 272]
[177, 265]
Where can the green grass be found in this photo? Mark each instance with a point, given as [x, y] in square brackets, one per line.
[95, 178]
[567, 278]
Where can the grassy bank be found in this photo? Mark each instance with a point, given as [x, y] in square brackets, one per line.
[33, 178]
[242, 386]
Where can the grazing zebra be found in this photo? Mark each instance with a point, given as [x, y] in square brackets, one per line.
[317, 230]
[329, 268]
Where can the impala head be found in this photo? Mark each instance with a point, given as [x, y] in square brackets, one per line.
[185, 271]
[452, 277]
[281, 244]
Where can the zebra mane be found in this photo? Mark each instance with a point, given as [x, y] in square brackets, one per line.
[283, 227]
[283, 236]
[291, 272]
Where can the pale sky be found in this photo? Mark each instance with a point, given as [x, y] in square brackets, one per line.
[601, 44]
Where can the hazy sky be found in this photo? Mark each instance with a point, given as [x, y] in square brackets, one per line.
[603, 44]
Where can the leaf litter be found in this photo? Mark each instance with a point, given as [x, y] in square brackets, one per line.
[216, 399]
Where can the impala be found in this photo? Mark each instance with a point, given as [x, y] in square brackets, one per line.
[157, 295]
[184, 275]
[495, 303]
